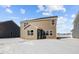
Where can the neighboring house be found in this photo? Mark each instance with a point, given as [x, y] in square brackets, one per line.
[9, 29]
[75, 31]
[41, 28]
[64, 35]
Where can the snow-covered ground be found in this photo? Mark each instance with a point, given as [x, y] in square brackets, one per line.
[45, 46]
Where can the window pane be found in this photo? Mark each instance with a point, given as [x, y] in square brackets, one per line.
[31, 32]
[47, 33]
[52, 22]
[50, 32]
[28, 32]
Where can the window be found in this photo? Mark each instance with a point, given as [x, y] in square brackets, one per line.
[47, 33]
[50, 32]
[25, 24]
[30, 32]
[52, 22]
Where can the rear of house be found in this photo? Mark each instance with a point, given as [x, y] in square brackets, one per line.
[41, 28]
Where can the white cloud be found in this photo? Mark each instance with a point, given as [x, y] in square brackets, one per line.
[9, 10]
[64, 24]
[61, 21]
[46, 13]
[40, 7]
[73, 15]
[22, 11]
[52, 8]
[48, 9]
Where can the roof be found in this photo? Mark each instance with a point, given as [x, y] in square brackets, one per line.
[6, 22]
[42, 18]
[7, 25]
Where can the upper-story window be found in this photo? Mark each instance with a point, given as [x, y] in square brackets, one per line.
[53, 22]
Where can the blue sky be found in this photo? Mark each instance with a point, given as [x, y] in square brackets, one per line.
[17, 13]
